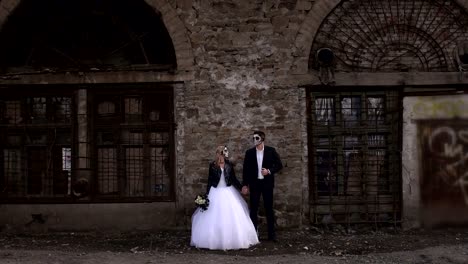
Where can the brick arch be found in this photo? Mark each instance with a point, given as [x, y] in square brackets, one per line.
[175, 27]
[178, 33]
[309, 29]
[311, 24]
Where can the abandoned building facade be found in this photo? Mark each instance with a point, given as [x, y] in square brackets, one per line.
[110, 111]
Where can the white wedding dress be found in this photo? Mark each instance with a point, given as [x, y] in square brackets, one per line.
[226, 224]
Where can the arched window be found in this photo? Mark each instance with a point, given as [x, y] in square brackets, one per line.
[86, 35]
[392, 36]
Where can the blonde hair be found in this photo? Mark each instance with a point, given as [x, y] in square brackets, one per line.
[219, 158]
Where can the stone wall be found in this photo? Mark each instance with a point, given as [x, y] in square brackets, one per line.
[243, 52]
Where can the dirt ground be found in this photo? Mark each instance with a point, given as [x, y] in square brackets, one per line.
[337, 245]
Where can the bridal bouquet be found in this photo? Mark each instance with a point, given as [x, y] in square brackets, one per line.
[202, 201]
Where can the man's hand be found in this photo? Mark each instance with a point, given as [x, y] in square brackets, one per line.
[245, 190]
[265, 172]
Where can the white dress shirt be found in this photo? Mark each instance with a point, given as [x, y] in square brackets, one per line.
[260, 162]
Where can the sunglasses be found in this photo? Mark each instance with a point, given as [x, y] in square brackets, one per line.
[256, 138]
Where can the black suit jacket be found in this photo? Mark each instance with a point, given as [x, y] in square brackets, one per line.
[271, 161]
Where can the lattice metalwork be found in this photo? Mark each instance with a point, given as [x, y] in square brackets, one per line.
[393, 35]
[133, 144]
[355, 158]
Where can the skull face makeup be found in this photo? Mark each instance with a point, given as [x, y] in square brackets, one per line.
[257, 139]
[226, 152]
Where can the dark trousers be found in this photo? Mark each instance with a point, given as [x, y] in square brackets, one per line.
[267, 192]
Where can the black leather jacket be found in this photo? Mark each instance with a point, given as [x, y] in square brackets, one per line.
[214, 175]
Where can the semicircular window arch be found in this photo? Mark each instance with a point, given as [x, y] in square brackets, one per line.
[392, 36]
[85, 34]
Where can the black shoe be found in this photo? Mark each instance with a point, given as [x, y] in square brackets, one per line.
[273, 239]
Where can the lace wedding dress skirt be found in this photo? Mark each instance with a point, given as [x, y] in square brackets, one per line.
[226, 224]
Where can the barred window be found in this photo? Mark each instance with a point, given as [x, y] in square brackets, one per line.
[130, 137]
[354, 139]
[36, 144]
[134, 145]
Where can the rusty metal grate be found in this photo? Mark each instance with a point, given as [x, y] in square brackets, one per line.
[355, 156]
[133, 144]
[394, 35]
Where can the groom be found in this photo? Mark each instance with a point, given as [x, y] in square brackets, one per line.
[261, 163]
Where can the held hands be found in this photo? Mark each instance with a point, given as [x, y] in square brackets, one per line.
[245, 190]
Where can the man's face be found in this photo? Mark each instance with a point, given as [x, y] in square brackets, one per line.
[226, 152]
[257, 139]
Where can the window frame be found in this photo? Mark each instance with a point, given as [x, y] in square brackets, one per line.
[47, 128]
[146, 126]
[337, 197]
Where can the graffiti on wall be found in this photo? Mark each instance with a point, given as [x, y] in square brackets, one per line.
[444, 160]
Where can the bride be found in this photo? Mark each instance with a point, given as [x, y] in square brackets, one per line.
[226, 223]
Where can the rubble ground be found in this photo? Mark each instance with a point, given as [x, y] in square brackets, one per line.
[336, 241]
